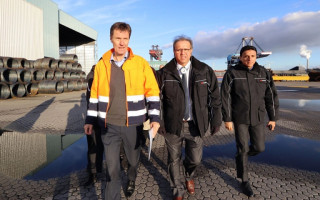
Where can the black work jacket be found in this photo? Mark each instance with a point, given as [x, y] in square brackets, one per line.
[204, 94]
[248, 94]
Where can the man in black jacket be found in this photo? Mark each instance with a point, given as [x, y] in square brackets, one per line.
[95, 146]
[247, 93]
[190, 101]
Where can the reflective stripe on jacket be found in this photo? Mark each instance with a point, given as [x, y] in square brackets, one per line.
[141, 89]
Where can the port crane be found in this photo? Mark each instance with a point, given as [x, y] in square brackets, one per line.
[155, 53]
[233, 59]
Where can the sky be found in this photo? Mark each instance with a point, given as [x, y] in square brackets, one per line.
[290, 29]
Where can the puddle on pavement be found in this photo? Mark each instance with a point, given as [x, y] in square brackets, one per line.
[40, 156]
[281, 150]
[300, 104]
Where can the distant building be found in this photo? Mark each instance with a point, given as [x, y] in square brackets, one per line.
[34, 29]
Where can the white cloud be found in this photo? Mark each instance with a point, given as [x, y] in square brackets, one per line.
[276, 35]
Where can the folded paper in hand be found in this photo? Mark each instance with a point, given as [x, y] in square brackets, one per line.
[150, 142]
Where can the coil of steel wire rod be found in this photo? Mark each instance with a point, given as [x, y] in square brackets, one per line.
[58, 75]
[46, 63]
[82, 75]
[43, 63]
[55, 64]
[78, 85]
[62, 65]
[50, 87]
[66, 75]
[31, 88]
[17, 90]
[11, 63]
[68, 85]
[23, 63]
[37, 63]
[1, 63]
[8, 75]
[68, 66]
[4, 91]
[37, 75]
[31, 62]
[24, 76]
[74, 75]
[76, 67]
[49, 74]
[84, 84]
[69, 57]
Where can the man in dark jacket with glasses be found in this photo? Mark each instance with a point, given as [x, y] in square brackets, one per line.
[190, 102]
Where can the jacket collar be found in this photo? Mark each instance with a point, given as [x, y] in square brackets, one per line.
[107, 56]
[255, 70]
[171, 67]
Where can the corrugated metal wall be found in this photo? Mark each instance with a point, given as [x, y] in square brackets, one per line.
[21, 32]
[50, 27]
[86, 54]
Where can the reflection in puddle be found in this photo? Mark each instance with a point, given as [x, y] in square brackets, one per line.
[300, 104]
[40, 156]
[283, 150]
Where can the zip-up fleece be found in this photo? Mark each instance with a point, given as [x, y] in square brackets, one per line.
[141, 89]
[247, 94]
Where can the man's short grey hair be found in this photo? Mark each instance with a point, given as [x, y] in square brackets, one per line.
[182, 38]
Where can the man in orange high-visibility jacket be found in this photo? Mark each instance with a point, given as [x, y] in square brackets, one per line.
[124, 93]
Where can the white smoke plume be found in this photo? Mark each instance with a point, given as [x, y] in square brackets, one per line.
[304, 52]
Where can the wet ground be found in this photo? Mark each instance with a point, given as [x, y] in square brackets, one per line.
[43, 153]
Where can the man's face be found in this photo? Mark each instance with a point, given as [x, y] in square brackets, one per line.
[248, 58]
[120, 40]
[182, 52]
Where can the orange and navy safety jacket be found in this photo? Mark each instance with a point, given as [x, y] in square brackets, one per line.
[142, 91]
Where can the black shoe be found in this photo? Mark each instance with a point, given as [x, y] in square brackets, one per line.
[130, 188]
[92, 179]
[246, 189]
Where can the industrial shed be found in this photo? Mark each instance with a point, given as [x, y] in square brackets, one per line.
[34, 29]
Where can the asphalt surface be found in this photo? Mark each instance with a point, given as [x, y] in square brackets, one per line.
[63, 114]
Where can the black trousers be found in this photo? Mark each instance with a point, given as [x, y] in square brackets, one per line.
[95, 151]
[244, 133]
[112, 137]
[193, 155]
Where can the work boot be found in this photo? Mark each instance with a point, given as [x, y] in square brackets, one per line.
[246, 189]
[130, 188]
[92, 179]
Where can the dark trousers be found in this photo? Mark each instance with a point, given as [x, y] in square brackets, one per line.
[112, 137]
[95, 151]
[244, 133]
[193, 155]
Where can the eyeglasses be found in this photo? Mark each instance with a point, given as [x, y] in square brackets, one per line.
[180, 50]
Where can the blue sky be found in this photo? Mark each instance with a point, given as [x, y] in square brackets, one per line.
[216, 27]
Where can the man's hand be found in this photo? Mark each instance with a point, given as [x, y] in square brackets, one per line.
[155, 126]
[88, 129]
[229, 126]
[271, 125]
[215, 129]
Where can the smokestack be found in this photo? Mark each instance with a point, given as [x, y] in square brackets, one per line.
[304, 52]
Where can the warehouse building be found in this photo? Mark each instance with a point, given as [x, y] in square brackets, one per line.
[34, 29]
